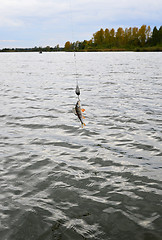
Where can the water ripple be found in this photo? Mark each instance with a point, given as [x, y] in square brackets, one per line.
[59, 181]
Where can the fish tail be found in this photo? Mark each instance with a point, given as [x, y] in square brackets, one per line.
[83, 124]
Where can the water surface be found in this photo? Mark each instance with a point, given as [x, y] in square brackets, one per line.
[59, 181]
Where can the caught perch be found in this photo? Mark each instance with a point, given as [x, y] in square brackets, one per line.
[78, 112]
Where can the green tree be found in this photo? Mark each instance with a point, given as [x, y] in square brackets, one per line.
[85, 44]
[47, 49]
[156, 36]
[160, 35]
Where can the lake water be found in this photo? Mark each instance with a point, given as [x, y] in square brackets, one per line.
[61, 181]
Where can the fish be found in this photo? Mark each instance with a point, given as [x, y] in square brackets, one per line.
[78, 112]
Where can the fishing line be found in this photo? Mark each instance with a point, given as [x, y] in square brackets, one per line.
[78, 110]
[77, 90]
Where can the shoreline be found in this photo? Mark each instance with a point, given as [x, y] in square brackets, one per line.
[142, 49]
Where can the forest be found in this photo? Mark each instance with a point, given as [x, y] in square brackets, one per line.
[128, 39]
[133, 38]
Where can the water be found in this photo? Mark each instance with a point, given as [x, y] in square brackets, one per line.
[59, 181]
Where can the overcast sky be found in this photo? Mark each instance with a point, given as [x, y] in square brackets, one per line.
[29, 23]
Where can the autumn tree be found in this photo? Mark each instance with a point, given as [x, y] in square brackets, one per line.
[120, 37]
[142, 35]
[107, 37]
[128, 38]
[68, 46]
[112, 36]
[98, 37]
[135, 40]
[148, 33]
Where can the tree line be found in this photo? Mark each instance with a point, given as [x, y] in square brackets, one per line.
[124, 39]
[132, 38]
[35, 49]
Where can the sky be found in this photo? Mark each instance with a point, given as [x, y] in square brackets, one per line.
[30, 23]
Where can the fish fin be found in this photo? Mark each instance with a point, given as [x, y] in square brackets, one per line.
[83, 117]
[83, 110]
[74, 111]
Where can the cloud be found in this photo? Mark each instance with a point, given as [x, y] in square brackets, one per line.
[32, 8]
[41, 20]
[10, 22]
[16, 12]
[8, 40]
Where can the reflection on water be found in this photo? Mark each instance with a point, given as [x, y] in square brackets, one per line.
[59, 181]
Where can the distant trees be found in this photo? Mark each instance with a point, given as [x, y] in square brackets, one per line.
[143, 34]
[121, 38]
[132, 38]
[68, 46]
[35, 49]
[128, 38]
[112, 37]
[156, 38]
[98, 37]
